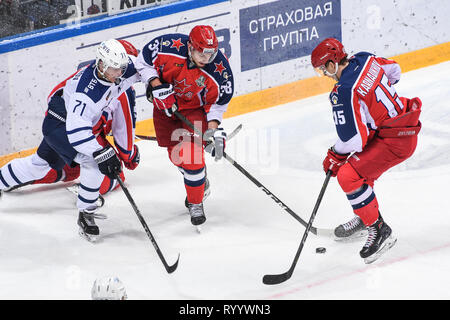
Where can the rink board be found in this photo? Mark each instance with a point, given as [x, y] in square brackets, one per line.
[266, 43]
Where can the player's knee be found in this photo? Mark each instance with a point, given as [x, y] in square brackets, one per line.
[188, 155]
[349, 179]
[36, 160]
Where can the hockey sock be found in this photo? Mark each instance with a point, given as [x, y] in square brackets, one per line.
[364, 204]
[22, 170]
[194, 181]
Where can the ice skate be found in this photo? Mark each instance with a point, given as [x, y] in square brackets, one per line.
[354, 229]
[197, 215]
[379, 240]
[88, 229]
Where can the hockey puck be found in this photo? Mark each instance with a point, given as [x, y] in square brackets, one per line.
[321, 250]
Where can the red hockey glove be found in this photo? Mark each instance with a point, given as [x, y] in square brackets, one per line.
[163, 97]
[134, 159]
[333, 161]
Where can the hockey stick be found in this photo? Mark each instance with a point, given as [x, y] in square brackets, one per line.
[145, 137]
[169, 269]
[279, 278]
[232, 134]
[249, 176]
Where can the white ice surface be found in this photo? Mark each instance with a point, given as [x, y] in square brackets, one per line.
[246, 235]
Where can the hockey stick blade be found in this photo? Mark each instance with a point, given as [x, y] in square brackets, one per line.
[271, 279]
[173, 267]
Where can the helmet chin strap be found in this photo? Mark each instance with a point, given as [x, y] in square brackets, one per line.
[191, 60]
[334, 75]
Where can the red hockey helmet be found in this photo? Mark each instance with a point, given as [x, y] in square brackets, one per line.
[204, 40]
[329, 49]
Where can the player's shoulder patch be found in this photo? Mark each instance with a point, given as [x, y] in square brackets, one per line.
[131, 69]
[220, 68]
[89, 85]
[174, 43]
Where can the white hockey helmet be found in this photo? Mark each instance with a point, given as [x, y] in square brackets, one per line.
[108, 288]
[112, 54]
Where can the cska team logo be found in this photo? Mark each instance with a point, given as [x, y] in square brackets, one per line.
[177, 44]
[219, 67]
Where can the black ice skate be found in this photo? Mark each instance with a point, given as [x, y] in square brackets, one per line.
[88, 229]
[379, 240]
[197, 214]
[351, 230]
[206, 193]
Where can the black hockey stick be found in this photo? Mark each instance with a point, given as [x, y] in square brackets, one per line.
[249, 176]
[145, 137]
[279, 278]
[169, 269]
[232, 134]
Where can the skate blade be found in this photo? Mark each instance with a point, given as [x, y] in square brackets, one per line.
[356, 236]
[389, 243]
[199, 229]
[88, 237]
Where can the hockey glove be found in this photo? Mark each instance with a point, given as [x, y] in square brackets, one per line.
[108, 162]
[133, 162]
[333, 161]
[217, 146]
[163, 98]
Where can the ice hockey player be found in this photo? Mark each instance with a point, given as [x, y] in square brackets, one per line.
[189, 74]
[376, 130]
[75, 106]
[122, 117]
[123, 120]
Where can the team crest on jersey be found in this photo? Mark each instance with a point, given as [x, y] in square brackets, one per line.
[166, 43]
[334, 94]
[334, 99]
[181, 86]
[177, 44]
[200, 81]
[219, 67]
